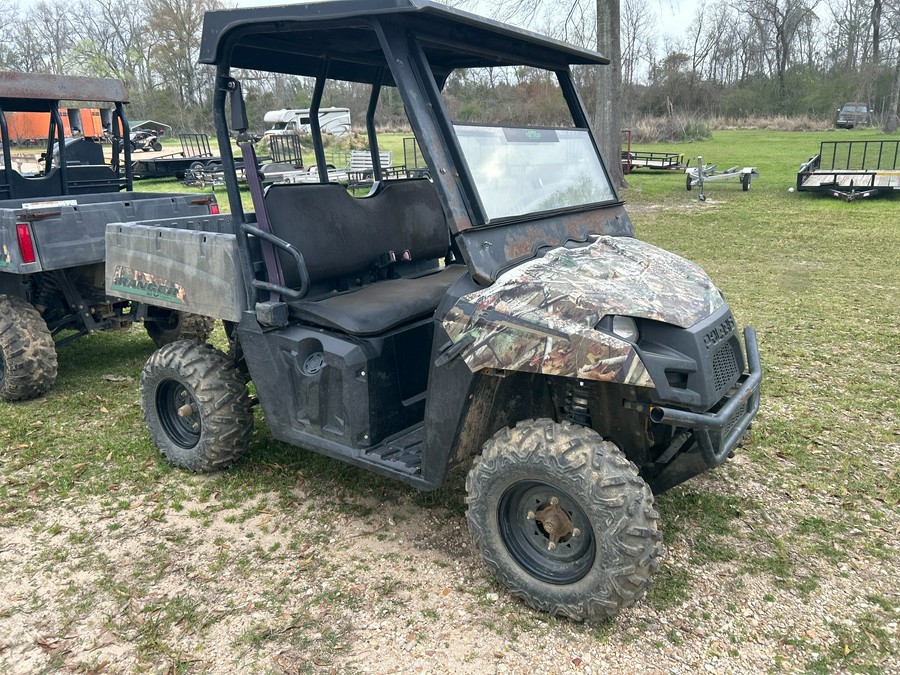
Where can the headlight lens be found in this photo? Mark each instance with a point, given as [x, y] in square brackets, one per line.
[625, 327]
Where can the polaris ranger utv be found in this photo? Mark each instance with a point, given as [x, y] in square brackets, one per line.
[498, 312]
[53, 218]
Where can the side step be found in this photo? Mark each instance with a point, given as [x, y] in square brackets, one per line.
[402, 453]
[398, 457]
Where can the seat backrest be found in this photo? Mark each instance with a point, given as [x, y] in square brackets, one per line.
[340, 235]
[81, 179]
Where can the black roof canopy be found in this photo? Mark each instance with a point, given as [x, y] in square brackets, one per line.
[296, 39]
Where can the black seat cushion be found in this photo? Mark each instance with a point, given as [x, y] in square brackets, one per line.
[378, 307]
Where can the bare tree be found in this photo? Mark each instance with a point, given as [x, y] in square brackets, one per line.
[779, 20]
[178, 23]
[638, 37]
[44, 37]
[892, 14]
[112, 43]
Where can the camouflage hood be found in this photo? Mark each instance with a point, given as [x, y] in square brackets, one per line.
[541, 316]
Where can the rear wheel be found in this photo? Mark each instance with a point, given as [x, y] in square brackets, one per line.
[688, 183]
[157, 146]
[165, 326]
[563, 520]
[196, 406]
[27, 353]
[745, 182]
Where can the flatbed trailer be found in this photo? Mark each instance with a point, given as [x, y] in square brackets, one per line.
[663, 161]
[195, 150]
[852, 170]
[636, 159]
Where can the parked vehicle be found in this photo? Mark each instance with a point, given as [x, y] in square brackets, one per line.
[52, 227]
[499, 314]
[333, 121]
[851, 115]
[145, 141]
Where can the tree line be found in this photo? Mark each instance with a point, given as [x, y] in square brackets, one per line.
[738, 58]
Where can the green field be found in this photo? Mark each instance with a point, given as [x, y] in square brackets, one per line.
[804, 521]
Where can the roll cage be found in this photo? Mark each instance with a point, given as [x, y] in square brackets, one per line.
[413, 45]
[41, 93]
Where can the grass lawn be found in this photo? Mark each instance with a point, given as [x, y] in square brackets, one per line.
[809, 505]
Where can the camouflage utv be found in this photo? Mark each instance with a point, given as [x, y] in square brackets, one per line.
[492, 311]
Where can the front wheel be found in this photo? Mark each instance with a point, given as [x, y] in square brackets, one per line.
[157, 146]
[196, 406]
[563, 520]
[745, 182]
[27, 353]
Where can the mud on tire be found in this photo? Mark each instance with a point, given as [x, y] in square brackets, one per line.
[606, 562]
[196, 406]
[165, 326]
[28, 363]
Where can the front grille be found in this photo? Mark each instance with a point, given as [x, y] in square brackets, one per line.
[734, 419]
[725, 368]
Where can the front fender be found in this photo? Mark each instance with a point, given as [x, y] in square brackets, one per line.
[541, 316]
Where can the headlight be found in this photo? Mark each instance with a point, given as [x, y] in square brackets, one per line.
[626, 328]
[623, 327]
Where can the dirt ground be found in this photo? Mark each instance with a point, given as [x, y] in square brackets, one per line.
[391, 587]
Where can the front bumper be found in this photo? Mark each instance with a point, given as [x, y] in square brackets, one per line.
[719, 431]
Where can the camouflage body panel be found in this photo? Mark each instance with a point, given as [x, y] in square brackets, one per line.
[540, 317]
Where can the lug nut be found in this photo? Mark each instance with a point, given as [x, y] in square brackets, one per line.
[530, 515]
[186, 410]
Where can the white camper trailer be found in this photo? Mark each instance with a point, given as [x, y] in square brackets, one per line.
[333, 121]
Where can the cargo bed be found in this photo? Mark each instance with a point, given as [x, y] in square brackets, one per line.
[68, 231]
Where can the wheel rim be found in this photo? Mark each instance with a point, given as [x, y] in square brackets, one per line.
[178, 413]
[528, 542]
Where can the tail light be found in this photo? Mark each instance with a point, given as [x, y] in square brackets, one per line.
[26, 245]
[214, 209]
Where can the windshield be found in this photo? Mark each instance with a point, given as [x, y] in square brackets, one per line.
[522, 170]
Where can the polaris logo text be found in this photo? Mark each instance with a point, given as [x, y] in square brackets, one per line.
[719, 333]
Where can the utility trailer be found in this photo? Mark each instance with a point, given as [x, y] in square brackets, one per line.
[195, 152]
[52, 229]
[636, 159]
[661, 161]
[497, 315]
[852, 170]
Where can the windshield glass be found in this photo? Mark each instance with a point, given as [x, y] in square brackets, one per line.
[521, 170]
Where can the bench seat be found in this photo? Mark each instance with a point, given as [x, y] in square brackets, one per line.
[348, 243]
[377, 308]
